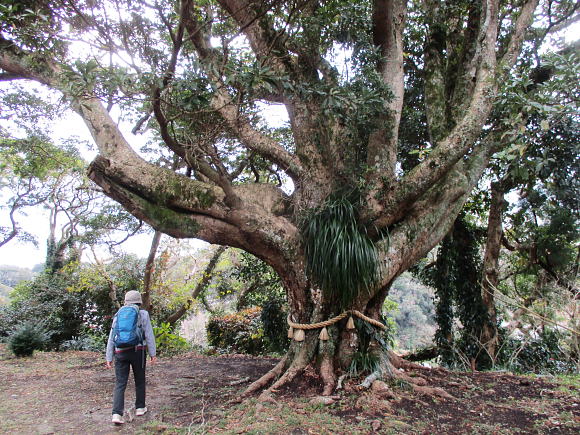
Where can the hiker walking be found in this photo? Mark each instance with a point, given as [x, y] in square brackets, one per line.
[131, 334]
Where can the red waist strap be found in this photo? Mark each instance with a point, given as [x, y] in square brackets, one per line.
[135, 348]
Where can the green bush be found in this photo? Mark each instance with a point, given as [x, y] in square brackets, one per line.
[69, 300]
[273, 319]
[240, 332]
[91, 340]
[27, 338]
[544, 354]
[47, 298]
[167, 341]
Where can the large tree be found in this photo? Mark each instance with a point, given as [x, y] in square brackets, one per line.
[388, 105]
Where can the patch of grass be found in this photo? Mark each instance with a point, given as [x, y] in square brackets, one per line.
[282, 418]
[569, 380]
[567, 418]
[155, 426]
[392, 426]
[401, 412]
[484, 428]
[563, 420]
[73, 362]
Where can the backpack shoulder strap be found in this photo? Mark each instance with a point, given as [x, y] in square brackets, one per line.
[115, 317]
[140, 326]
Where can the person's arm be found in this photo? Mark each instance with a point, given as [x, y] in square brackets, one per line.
[110, 346]
[149, 335]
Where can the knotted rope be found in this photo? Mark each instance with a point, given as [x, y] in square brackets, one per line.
[299, 335]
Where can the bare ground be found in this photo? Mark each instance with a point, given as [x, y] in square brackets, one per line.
[70, 393]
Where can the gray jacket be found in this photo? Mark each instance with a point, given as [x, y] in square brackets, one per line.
[145, 323]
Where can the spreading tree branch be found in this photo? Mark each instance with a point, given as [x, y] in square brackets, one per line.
[223, 104]
[266, 43]
[517, 37]
[462, 137]
[200, 287]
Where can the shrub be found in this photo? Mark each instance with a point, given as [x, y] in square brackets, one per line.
[89, 340]
[78, 343]
[544, 354]
[167, 341]
[69, 300]
[240, 332]
[46, 298]
[273, 319]
[8, 318]
[27, 338]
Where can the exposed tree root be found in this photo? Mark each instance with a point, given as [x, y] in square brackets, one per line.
[323, 400]
[327, 374]
[300, 361]
[267, 378]
[432, 391]
[339, 384]
[422, 354]
[368, 381]
[295, 368]
[401, 363]
[382, 389]
[404, 364]
[393, 367]
[412, 380]
[266, 397]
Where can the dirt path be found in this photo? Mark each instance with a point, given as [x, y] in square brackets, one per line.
[70, 393]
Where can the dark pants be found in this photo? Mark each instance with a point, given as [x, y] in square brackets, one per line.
[123, 362]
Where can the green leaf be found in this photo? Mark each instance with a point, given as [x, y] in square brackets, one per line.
[341, 259]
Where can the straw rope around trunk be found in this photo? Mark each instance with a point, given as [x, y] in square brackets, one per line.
[301, 327]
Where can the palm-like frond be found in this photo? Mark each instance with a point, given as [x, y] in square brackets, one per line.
[340, 256]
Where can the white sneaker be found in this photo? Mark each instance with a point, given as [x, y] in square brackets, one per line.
[140, 411]
[117, 419]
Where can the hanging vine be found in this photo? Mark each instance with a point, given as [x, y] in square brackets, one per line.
[456, 278]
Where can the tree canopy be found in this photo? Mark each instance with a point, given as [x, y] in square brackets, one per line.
[390, 109]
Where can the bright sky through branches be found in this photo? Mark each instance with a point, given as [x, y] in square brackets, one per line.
[27, 255]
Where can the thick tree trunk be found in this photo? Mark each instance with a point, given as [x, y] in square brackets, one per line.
[416, 209]
[330, 358]
[490, 278]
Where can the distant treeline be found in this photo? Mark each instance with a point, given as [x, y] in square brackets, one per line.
[12, 275]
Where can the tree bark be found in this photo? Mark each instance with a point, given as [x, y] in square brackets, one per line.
[490, 278]
[149, 268]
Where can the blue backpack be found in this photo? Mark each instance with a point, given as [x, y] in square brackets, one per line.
[127, 331]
